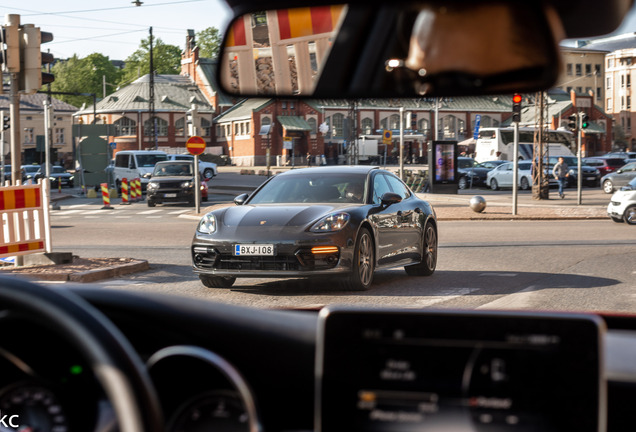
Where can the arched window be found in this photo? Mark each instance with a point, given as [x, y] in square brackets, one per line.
[162, 127]
[125, 126]
[338, 125]
[265, 121]
[449, 126]
[423, 126]
[179, 127]
[311, 121]
[383, 123]
[394, 121]
[367, 126]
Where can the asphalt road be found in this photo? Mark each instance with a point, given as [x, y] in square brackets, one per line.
[541, 265]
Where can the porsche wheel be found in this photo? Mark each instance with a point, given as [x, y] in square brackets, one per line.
[217, 281]
[428, 262]
[363, 263]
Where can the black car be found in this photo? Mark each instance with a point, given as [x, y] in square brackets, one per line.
[341, 221]
[59, 176]
[172, 182]
[471, 173]
[591, 175]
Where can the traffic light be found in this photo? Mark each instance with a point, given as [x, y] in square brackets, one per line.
[32, 60]
[585, 121]
[516, 107]
[5, 122]
[11, 46]
[572, 120]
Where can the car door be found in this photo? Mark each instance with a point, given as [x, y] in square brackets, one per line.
[505, 175]
[627, 172]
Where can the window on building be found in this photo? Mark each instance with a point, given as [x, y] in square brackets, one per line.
[569, 89]
[568, 68]
[610, 62]
[247, 128]
[29, 138]
[338, 125]
[179, 127]
[125, 126]
[609, 104]
[597, 69]
[367, 125]
[588, 90]
[291, 104]
[588, 69]
[242, 129]
[283, 104]
[162, 126]
[622, 102]
[629, 123]
[609, 83]
[423, 126]
[206, 127]
[313, 124]
[629, 80]
[29, 118]
[622, 80]
[59, 136]
[598, 93]
[629, 102]
[449, 126]
[579, 90]
[579, 69]
[383, 123]
[394, 121]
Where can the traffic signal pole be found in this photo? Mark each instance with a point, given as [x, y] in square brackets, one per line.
[579, 180]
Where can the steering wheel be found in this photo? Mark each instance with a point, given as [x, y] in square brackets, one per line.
[113, 360]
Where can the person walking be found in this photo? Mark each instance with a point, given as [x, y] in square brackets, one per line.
[561, 172]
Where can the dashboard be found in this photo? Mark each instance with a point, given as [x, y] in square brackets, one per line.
[219, 367]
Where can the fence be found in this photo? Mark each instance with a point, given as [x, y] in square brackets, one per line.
[24, 219]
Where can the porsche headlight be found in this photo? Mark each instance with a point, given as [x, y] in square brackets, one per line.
[207, 224]
[333, 222]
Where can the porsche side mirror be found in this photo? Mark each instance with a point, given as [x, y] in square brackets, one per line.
[240, 200]
[390, 198]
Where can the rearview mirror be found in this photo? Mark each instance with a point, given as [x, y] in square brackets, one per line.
[432, 48]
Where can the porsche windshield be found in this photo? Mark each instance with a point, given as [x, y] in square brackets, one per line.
[305, 188]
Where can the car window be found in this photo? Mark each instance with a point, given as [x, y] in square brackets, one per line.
[121, 160]
[380, 187]
[629, 167]
[526, 166]
[149, 160]
[397, 186]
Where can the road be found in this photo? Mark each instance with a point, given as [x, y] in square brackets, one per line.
[541, 265]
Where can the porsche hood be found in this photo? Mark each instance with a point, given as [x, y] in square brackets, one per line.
[274, 215]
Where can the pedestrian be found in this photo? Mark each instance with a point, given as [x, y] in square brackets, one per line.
[561, 172]
[308, 159]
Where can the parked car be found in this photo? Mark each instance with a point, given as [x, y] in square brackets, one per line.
[627, 156]
[604, 165]
[622, 206]
[173, 181]
[613, 181]
[207, 169]
[344, 221]
[471, 173]
[502, 176]
[58, 175]
[132, 164]
[591, 175]
[30, 172]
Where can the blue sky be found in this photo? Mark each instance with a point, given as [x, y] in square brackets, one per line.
[116, 27]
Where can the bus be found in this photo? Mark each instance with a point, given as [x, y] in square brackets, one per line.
[496, 143]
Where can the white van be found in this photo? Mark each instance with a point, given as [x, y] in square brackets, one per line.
[497, 143]
[132, 164]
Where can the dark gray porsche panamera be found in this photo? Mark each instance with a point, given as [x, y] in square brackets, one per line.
[343, 221]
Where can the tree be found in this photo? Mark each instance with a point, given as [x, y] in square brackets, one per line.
[209, 42]
[166, 60]
[83, 75]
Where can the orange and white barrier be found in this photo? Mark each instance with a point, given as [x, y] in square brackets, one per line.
[124, 191]
[24, 220]
[105, 196]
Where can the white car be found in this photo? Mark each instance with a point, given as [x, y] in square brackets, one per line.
[207, 169]
[501, 177]
[622, 206]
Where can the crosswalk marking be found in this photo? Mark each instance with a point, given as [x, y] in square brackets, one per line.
[94, 212]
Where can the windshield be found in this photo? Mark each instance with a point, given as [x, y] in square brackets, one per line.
[307, 189]
[173, 169]
[149, 160]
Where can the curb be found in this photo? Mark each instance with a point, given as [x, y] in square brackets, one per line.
[88, 275]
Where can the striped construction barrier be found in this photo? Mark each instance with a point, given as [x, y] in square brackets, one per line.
[124, 191]
[23, 220]
[133, 191]
[138, 186]
[105, 197]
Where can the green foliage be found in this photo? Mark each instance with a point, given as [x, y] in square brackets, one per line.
[83, 75]
[209, 42]
[166, 60]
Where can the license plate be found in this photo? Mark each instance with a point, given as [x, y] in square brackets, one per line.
[170, 195]
[589, 178]
[254, 249]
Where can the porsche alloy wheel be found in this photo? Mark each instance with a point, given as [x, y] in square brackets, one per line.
[217, 281]
[630, 215]
[427, 265]
[363, 263]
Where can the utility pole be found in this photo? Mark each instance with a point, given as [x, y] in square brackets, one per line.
[151, 95]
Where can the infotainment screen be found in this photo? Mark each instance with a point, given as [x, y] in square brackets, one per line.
[382, 370]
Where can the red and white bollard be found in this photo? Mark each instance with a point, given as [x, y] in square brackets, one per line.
[106, 197]
[124, 191]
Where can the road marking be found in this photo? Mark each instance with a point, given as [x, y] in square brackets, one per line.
[154, 217]
[518, 300]
[123, 217]
[150, 211]
[444, 295]
[500, 274]
[90, 212]
[64, 212]
[179, 211]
